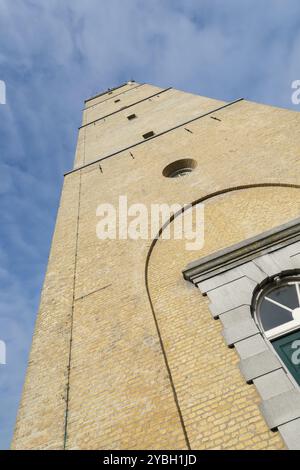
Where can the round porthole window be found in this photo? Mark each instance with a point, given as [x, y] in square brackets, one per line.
[179, 168]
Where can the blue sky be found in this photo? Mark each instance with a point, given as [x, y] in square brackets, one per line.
[56, 53]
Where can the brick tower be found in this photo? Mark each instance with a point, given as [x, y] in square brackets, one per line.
[127, 352]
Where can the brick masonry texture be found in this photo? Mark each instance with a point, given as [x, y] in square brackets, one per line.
[160, 377]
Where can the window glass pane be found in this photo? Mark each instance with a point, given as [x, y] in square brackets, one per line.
[277, 305]
[271, 315]
[285, 295]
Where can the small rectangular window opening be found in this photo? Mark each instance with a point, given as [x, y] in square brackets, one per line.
[148, 135]
[131, 116]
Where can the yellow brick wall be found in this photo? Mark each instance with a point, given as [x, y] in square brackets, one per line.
[157, 114]
[117, 393]
[41, 416]
[220, 410]
[96, 110]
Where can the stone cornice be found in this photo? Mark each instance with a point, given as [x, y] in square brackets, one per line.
[228, 258]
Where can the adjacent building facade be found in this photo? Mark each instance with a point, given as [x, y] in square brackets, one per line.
[127, 352]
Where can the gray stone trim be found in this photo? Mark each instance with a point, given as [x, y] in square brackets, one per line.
[281, 409]
[272, 384]
[228, 258]
[248, 269]
[229, 279]
[295, 260]
[251, 346]
[231, 295]
[238, 324]
[290, 433]
[258, 365]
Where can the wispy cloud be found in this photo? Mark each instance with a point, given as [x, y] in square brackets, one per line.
[55, 54]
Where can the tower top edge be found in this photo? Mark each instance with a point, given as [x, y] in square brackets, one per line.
[129, 82]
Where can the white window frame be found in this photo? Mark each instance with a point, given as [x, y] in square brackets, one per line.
[285, 328]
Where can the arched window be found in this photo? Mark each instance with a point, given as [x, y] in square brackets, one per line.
[277, 313]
